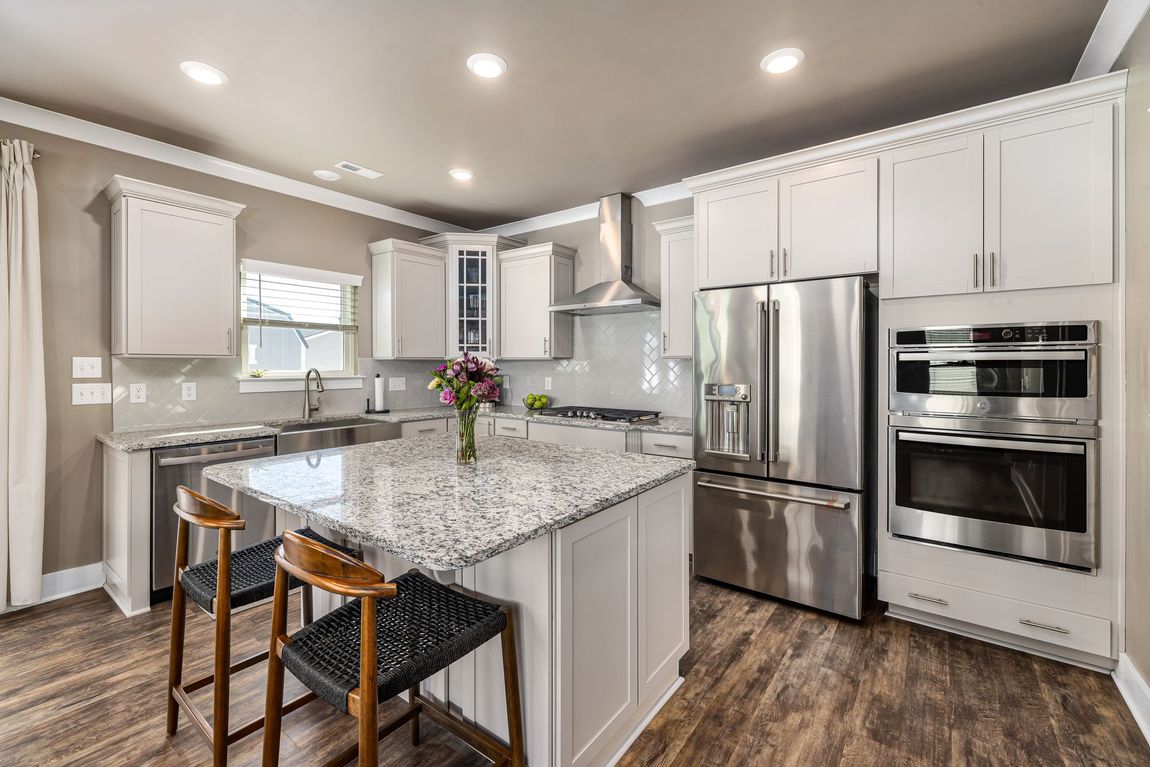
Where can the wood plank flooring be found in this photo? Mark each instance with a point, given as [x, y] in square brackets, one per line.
[766, 684]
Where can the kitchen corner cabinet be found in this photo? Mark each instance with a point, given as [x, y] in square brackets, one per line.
[530, 280]
[676, 285]
[737, 231]
[472, 289]
[1025, 204]
[174, 271]
[828, 220]
[408, 296]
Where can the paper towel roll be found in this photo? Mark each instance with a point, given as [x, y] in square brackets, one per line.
[377, 403]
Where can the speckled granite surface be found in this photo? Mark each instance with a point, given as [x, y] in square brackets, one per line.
[147, 439]
[408, 497]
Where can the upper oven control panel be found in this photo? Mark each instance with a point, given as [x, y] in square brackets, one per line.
[998, 335]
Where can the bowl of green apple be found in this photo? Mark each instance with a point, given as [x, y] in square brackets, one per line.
[536, 401]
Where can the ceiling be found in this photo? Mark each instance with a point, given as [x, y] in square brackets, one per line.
[600, 95]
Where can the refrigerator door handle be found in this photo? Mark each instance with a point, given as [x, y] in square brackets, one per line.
[760, 315]
[837, 505]
[772, 417]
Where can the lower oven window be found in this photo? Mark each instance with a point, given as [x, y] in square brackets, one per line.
[1017, 482]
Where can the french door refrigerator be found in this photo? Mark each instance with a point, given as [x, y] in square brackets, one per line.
[780, 423]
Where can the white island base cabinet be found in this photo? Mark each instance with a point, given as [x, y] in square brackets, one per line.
[601, 624]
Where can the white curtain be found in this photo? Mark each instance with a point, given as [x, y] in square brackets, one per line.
[22, 394]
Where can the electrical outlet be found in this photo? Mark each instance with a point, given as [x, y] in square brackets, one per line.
[397, 383]
[137, 393]
[87, 367]
[92, 394]
[188, 391]
[547, 383]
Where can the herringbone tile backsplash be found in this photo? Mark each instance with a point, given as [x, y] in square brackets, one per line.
[617, 363]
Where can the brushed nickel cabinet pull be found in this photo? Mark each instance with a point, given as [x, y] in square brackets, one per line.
[992, 266]
[1043, 626]
[664, 342]
[772, 263]
[925, 598]
[229, 340]
[786, 262]
[976, 270]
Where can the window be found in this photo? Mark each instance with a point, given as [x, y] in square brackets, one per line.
[295, 318]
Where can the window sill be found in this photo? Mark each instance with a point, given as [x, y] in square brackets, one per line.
[250, 385]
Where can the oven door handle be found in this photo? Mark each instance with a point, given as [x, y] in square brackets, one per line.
[1005, 444]
[1079, 354]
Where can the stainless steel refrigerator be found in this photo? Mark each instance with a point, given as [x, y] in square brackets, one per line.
[781, 379]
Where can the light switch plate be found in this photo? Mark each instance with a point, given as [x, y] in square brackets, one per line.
[92, 394]
[547, 383]
[137, 393]
[397, 383]
[188, 391]
[87, 367]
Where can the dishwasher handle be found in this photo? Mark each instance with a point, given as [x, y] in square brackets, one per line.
[236, 455]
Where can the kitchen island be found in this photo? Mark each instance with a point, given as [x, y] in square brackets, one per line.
[590, 546]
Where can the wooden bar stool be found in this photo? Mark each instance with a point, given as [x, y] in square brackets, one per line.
[391, 638]
[233, 580]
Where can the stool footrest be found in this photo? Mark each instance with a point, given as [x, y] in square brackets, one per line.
[388, 727]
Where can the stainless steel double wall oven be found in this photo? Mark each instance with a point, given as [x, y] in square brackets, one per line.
[993, 439]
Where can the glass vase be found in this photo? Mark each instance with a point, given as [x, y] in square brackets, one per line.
[465, 435]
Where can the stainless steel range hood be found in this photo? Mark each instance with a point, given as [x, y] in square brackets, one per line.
[614, 293]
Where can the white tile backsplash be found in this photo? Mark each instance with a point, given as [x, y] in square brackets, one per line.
[616, 363]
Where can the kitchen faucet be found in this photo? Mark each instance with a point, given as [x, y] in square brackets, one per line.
[309, 408]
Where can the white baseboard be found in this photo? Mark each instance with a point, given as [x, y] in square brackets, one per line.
[1134, 691]
[655, 709]
[65, 583]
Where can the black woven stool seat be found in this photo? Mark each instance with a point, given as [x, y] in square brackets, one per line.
[253, 573]
[423, 629]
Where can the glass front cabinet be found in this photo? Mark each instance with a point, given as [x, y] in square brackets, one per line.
[472, 289]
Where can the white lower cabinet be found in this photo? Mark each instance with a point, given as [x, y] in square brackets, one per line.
[670, 445]
[1076, 631]
[664, 526]
[509, 427]
[423, 428]
[128, 529]
[582, 436]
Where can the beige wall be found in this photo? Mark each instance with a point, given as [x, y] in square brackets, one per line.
[75, 245]
[1136, 57]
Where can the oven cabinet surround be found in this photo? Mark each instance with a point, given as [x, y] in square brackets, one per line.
[472, 289]
[531, 279]
[1016, 194]
[988, 596]
[1025, 204]
[676, 286]
[174, 271]
[409, 296]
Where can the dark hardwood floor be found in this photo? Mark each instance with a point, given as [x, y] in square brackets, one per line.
[766, 684]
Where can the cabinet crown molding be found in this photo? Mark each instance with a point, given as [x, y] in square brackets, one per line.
[392, 245]
[675, 225]
[539, 249]
[447, 239]
[1079, 93]
[123, 186]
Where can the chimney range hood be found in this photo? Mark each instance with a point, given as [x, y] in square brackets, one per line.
[615, 292]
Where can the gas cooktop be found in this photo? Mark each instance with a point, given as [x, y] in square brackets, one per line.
[600, 413]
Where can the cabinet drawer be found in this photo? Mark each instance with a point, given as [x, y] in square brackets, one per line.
[673, 445]
[603, 439]
[1047, 624]
[510, 427]
[423, 428]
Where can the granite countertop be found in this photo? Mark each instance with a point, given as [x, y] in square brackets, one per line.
[198, 434]
[411, 499]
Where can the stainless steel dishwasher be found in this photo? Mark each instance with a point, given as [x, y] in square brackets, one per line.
[172, 467]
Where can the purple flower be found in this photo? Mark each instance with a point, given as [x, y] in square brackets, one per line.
[447, 397]
[486, 391]
[457, 367]
[441, 368]
[463, 377]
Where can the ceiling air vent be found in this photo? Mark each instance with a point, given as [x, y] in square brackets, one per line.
[359, 170]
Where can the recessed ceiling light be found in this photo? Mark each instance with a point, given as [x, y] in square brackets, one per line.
[326, 175]
[782, 60]
[203, 73]
[461, 174]
[486, 65]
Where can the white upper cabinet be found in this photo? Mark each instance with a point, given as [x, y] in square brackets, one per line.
[1050, 200]
[530, 280]
[828, 220]
[408, 296]
[737, 230]
[931, 218]
[677, 285]
[174, 271]
[472, 289]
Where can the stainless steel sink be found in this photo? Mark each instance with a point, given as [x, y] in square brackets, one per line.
[320, 435]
